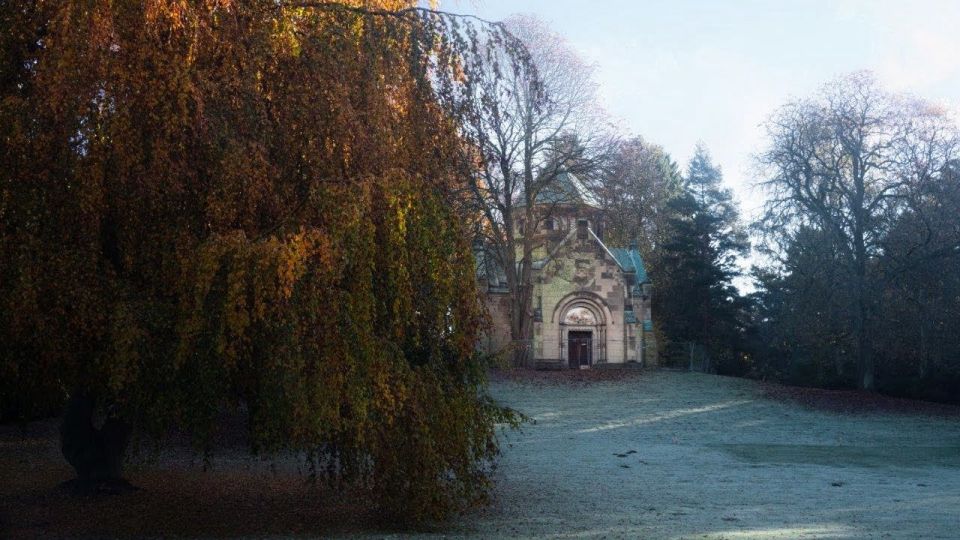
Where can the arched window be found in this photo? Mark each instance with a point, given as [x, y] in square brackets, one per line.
[580, 316]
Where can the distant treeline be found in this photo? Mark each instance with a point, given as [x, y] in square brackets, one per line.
[858, 279]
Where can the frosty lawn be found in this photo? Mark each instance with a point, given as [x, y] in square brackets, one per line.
[678, 455]
[612, 454]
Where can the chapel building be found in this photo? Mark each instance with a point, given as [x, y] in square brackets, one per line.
[591, 301]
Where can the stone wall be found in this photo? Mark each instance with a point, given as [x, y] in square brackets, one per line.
[581, 272]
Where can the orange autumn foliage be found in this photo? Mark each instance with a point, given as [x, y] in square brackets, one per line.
[217, 204]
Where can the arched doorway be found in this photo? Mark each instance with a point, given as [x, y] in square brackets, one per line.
[582, 334]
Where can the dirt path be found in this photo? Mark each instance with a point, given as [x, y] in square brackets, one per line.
[677, 455]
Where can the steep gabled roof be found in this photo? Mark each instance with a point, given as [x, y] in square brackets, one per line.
[628, 259]
[566, 189]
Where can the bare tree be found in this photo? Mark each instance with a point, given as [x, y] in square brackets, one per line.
[637, 182]
[848, 162]
[532, 124]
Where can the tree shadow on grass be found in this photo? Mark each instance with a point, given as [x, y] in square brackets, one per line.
[190, 504]
[182, 500]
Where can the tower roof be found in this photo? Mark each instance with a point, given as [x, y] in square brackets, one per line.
[566, 188]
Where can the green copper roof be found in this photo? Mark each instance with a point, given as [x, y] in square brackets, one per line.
[630, 261]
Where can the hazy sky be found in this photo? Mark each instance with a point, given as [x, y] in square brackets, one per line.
[679, 71]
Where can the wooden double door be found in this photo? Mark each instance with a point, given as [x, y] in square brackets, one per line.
[580, 349]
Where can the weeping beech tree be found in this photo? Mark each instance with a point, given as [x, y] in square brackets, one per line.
[210, 205]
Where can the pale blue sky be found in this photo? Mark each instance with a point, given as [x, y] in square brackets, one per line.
[679, 71]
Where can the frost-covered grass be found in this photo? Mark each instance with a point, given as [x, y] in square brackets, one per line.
[678, 455]
[619, 454]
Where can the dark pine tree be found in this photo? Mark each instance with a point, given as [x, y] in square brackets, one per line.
[697, 303]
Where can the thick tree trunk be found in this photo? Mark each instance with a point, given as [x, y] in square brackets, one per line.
[96, 453]
[865, 360]
[521, 324]
[867, 381]
[922, 318]
[520, 282]
[522, 347]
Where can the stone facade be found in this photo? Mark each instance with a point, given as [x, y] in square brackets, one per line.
[591, 302]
